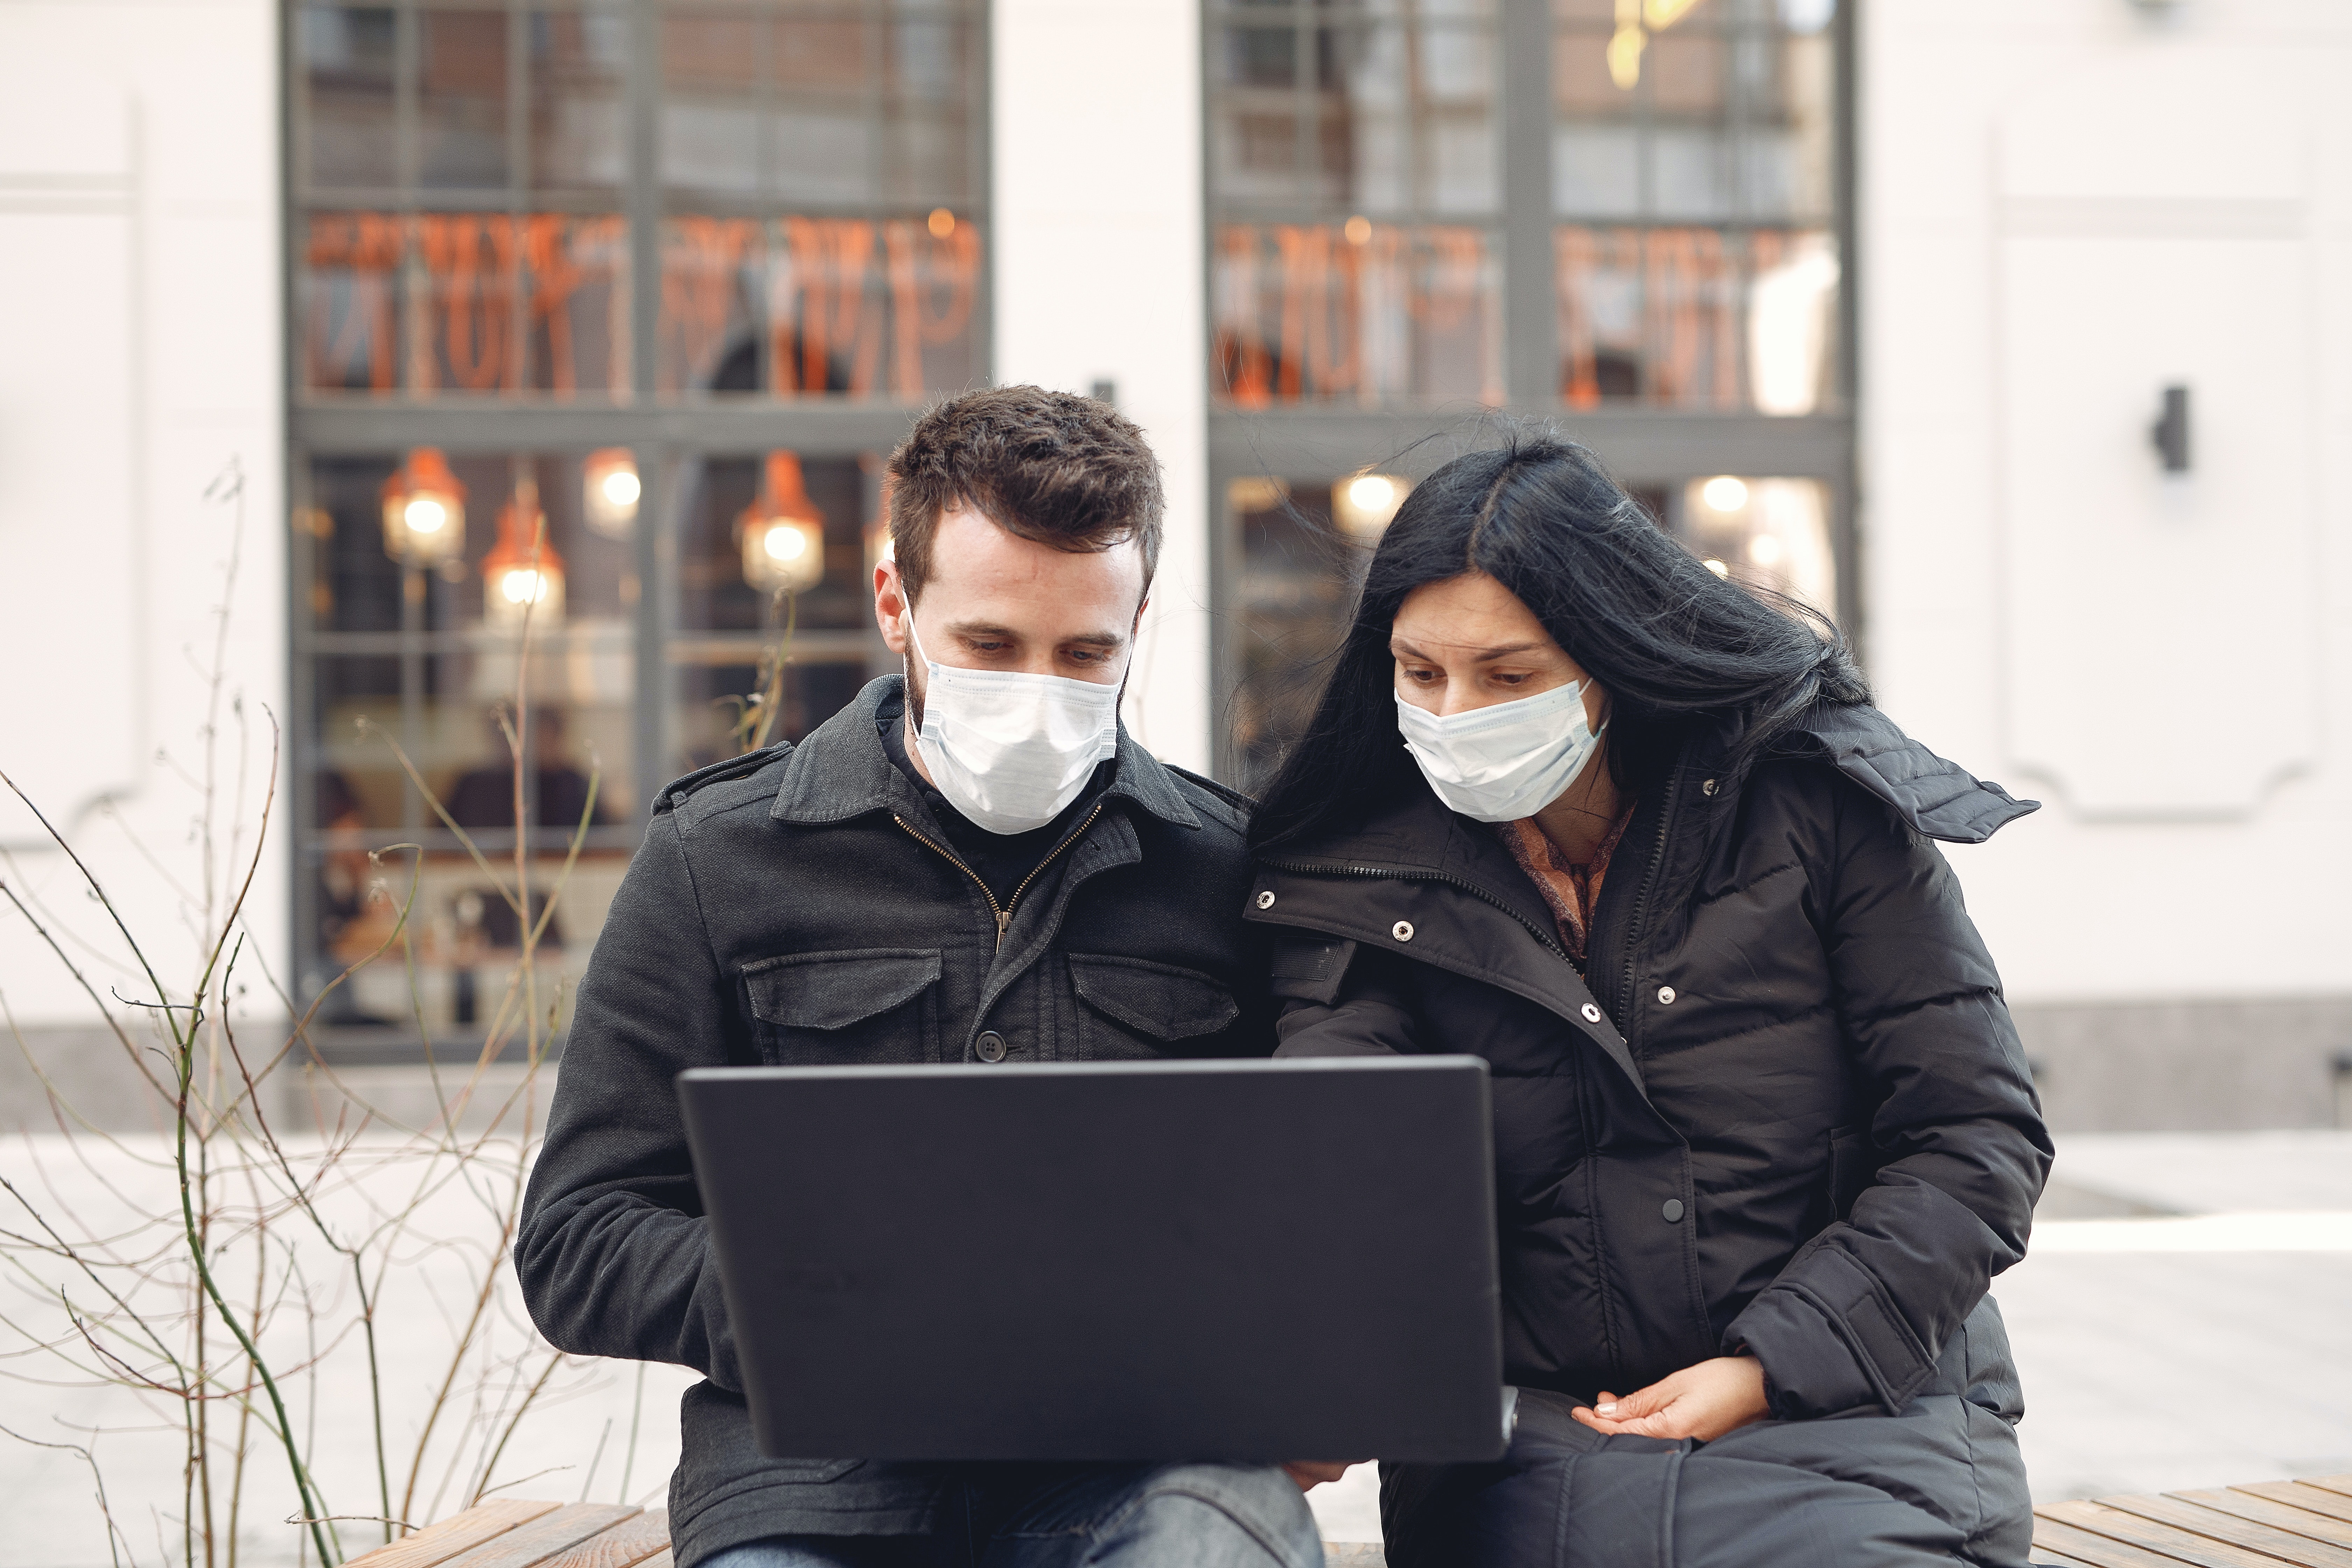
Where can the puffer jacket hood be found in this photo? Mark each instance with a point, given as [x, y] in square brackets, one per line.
[1939, 799]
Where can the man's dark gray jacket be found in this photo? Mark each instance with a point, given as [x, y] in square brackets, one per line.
[786, 908]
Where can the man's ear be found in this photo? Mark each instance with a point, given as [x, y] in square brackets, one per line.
[890, 605]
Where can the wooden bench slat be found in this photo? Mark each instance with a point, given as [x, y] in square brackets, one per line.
[2171, 1540]
[2256, 1524]
[542, 1539]
[2293, 1547]
[2295, 1494]
[622, 1546]
[2282, 1516]
[2098, 1551]
[437, 1543]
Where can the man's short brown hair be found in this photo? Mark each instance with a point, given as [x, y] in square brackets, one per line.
[1053, 467]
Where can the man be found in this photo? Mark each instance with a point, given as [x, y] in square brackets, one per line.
[974, 864]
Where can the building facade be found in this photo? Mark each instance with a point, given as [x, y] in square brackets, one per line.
[353, 339]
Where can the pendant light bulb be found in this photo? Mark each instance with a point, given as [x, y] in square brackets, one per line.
[522, 576]
[782, 533]
[423, 510]
[1363, 503]
[611, 491]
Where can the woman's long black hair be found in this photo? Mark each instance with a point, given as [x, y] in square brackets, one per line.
[1665, 636]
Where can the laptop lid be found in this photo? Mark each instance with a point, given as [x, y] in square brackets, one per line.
[1243, 1260]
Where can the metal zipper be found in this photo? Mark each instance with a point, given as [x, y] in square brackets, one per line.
[1075, 833]
[1649, 885]
[1003, 912]
[1308, 869]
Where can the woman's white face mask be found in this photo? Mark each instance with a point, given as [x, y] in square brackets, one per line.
[1012, 751]
[1508, 759]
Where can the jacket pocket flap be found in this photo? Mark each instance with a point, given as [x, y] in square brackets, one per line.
[1160, 1000]
[835, 990]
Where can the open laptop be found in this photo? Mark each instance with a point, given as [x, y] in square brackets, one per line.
[1241, 1260]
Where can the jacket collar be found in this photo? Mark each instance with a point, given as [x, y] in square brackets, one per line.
[1417, 835]
[841, 771]
[1407, 845]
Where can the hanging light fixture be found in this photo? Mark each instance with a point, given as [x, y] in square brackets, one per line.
[522, 575]
[1363, 503]
[782, 533]
[611, 489]
[423, 510]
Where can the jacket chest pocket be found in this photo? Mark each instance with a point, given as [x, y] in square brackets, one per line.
[867, 1004]
[1132, 1009]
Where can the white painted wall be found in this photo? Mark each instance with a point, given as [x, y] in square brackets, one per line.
[1096, 150]
[2064, 206]
[139, 358]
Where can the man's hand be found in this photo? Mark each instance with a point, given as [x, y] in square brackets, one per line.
[1703, 1402]
[1312, 1473]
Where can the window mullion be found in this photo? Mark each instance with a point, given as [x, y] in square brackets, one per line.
[1530, 318]
[642, 88]
[654, 539]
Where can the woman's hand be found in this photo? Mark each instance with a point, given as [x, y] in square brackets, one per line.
[1703, 1402]
[1312, 1473]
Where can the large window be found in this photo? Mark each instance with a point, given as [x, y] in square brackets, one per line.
[1354, 162]
[1629, 216]
[602, 317]
[1693, 179]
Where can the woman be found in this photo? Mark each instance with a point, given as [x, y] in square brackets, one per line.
[1762, 1129]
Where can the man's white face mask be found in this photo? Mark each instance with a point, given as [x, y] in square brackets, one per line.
[1012, 751]
[1504, 762]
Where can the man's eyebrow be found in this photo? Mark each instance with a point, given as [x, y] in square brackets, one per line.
[993, 629]
[1399, 645]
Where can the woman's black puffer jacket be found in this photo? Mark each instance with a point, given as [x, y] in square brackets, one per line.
[1782, 1110]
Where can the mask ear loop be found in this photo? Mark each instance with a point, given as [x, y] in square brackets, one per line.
[912, 723]
[915, 640]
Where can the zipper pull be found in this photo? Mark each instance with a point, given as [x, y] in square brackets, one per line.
[1004, 919]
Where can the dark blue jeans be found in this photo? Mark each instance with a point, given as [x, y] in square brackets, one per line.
[1113, 1516]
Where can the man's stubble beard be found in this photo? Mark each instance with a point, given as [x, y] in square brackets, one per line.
[915, 695]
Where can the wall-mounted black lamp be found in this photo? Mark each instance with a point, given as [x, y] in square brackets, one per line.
[2171, 432]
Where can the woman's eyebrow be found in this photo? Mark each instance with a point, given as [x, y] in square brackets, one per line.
[1398, 645]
